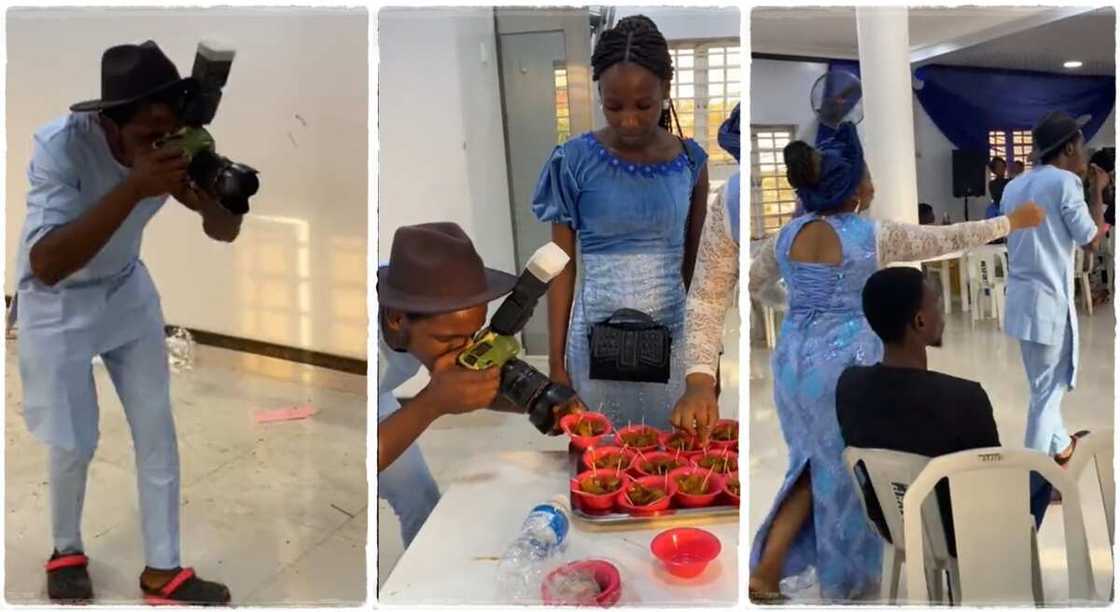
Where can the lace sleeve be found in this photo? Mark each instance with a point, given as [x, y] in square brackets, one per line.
[908, 242]
[713, 286]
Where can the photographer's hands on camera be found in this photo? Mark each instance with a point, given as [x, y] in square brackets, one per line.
[453, 389]
[158, 172]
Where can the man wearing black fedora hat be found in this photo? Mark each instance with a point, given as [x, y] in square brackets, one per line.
[432, 298]
[1040, 307]
[96, 180]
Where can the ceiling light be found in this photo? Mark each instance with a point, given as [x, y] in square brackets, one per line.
[1072, 64]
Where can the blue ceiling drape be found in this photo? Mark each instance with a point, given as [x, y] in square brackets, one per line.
[966, 103]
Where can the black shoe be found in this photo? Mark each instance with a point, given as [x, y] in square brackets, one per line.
[68, 578]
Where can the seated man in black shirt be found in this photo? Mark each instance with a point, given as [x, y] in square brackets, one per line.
[899, 404]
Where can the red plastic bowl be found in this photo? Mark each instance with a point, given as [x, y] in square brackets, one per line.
[639, 460]
[569, 422]
[596, 503]
[592, 454]
[660, 505]
[732, 459]
[633, 428]
[685, 551]
[732, 444]
[715, 488]
[610, 583]
[691, 451]
[728, 479]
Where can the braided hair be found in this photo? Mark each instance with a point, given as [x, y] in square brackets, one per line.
[636, 40]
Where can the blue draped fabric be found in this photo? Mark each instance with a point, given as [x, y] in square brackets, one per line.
[966, 103]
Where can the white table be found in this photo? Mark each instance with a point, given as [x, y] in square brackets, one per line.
[454, 558]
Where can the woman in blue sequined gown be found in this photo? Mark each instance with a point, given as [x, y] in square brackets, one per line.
[825, 258]
[633, 196]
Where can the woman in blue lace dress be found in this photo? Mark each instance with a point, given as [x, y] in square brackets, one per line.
[825, 257]
[633, 196]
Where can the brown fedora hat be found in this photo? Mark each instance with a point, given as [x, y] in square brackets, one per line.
[434, 268]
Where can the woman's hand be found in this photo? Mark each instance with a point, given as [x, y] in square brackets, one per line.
[697, 411]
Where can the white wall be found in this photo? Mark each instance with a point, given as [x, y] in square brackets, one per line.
[295, 108]
[442, 148]
[780, 95]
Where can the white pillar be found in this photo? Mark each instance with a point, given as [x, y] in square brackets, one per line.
[888, 111]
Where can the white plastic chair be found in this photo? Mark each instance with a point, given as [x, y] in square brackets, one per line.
[890, 474]
[1096, 449]
[985, 285]
[1082, 269]
[1110, 262]
[997, 547]
[770, 315]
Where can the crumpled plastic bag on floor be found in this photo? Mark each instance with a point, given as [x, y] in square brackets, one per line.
[180, 350]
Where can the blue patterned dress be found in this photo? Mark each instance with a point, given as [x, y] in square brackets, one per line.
[823, 333]
[630, 222]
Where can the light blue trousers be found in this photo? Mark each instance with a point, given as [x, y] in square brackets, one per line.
[1049, 373]
[140, 374]
[408, 486]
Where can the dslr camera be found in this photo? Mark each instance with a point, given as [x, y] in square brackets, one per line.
[230, 182]
[496, 347]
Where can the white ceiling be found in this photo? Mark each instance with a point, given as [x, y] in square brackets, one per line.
[1025, 38]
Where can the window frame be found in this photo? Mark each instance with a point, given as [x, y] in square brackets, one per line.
[786, 206]
[720, 164]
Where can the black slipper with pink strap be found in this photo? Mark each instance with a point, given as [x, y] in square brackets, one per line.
[68, 578]
[187, 589]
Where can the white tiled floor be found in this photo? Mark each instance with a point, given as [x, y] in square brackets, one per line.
[454, 437]
[985, 354]
[276, 511]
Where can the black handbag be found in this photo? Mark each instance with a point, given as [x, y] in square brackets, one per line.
[630, 346]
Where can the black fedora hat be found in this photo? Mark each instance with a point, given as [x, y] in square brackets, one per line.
[434, 268]
[133, 72]
[1054, 130]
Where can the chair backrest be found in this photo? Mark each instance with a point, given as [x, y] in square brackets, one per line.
[991, 518]
[889, 475]
[1097, 449]
[1081, 264]
[982, 265]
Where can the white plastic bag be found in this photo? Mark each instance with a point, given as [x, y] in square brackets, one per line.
[180, 350]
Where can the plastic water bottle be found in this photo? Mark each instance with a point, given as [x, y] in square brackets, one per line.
[542, 540]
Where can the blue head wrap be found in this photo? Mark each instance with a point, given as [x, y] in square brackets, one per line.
[840, 173]
[729, 134]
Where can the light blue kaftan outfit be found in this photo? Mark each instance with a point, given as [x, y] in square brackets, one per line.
[110, 308]
[1040, 307]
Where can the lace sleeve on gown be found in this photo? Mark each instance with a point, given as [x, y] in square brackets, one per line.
[713, 284]
[897, 242]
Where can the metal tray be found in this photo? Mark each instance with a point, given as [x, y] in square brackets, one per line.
[722, 513]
